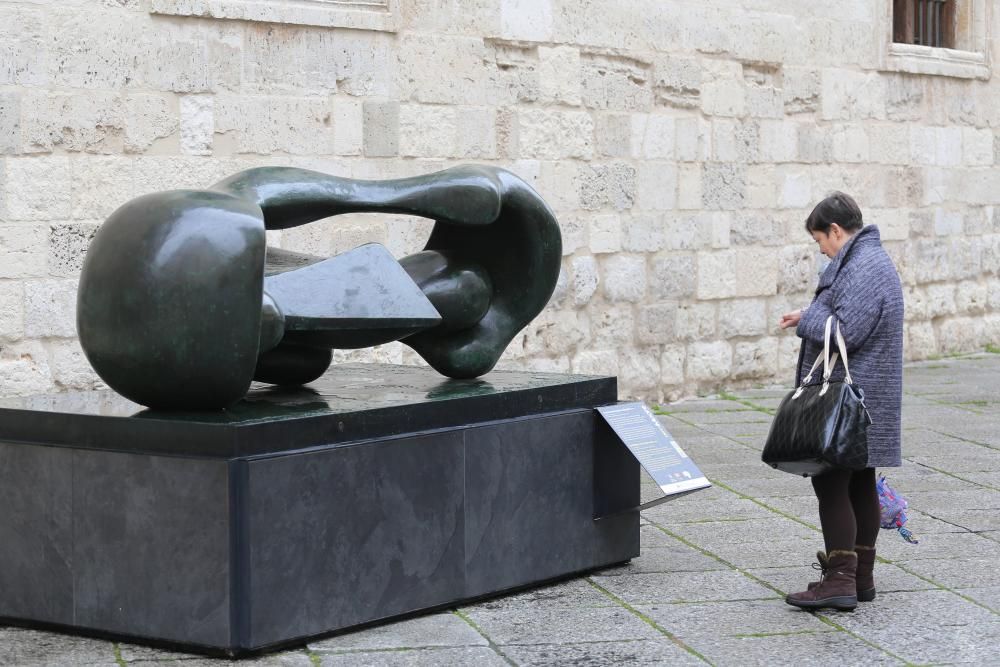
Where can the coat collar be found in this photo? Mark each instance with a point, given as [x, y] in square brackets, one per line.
[867, 236]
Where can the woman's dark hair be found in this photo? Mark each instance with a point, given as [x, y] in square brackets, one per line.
[837, 208]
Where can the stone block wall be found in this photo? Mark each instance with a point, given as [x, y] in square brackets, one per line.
[681, 145]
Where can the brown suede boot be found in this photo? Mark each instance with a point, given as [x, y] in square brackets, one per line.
[822, 565]
[865, 574]
[837, 590]
[866, 566]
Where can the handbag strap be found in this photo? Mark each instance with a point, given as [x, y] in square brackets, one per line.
[808, 378]
[829, 361]
[827, 367]
[842, 346]
[831, 364]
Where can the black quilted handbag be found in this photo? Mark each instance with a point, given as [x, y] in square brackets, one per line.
[820, 426]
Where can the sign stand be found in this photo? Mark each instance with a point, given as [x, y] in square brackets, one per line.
[655, 450]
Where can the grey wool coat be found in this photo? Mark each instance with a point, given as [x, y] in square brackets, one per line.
[861, 289]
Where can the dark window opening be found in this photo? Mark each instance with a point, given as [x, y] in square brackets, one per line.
[926, 22]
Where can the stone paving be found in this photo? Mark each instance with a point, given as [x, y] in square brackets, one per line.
[715, 565]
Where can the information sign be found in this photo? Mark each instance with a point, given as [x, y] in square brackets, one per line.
[655, 449]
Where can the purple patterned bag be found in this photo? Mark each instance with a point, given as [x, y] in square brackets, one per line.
[892, 507]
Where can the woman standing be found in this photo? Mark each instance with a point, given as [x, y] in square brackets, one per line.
[861, 289]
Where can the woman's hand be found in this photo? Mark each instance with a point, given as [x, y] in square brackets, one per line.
[790, 319]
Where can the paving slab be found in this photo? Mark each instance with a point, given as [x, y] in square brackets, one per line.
[448, 657]
[738, 454]
[136, 654]
[733, 471]
[789, 485]
[921, 523]
[916, 478]
[974, 520]
[568, 594]
[644, 589]
[938, 545]
[974, 498]
[653, 652]
[731, 619]
[742, 532]
[769, 552]
[937, 446]
[653, 536]
[939, 424]
[285, 659]
[754, 442]
[739, 414]
[765, 404]
[663, 553]
[989, 596]
[803, 508]
[550, 625]
[714, 449]
[970, 430]
[927, 627]
[741, 429]
[434, 631]
[30, 648]
[708, 442]
[813, 649]
[957, 571]
[654, 561]
[979, 460]
[777, 391]
[729, 507]
[679, 427]
[990, 479]
[701, 405]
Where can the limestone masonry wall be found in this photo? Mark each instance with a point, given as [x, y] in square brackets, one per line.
[680, 143]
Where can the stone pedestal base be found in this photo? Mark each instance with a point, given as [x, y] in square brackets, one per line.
[297, 514]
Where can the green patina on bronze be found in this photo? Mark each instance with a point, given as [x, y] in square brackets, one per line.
[181, 304]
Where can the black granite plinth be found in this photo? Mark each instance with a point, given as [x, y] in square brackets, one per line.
[379, 491]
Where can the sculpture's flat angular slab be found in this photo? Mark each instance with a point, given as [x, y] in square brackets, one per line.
[379, 491]
[364, 288]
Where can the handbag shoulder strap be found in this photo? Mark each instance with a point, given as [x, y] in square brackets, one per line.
[842, 346]
[841, 353]
[827, 366]
[829, 361]
[823, 357]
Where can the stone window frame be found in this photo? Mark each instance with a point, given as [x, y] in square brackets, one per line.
[377, 15]
[970, 60]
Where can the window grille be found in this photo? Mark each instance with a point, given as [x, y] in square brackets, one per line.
[924, 22]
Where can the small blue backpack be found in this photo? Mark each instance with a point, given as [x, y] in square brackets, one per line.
[892, 507]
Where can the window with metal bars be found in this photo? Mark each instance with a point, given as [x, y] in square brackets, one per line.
[925, 22]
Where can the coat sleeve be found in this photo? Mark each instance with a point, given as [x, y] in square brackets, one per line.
[857, 309]
[813, 322]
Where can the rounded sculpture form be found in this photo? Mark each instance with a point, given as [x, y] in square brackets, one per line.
[169, 303]
[520, 251]
[181, 305]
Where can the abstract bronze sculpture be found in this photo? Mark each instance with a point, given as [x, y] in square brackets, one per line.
[181, 304]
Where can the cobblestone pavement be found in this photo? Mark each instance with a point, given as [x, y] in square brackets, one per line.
[715, 565]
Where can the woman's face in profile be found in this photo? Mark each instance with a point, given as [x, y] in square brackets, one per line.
[831, 242]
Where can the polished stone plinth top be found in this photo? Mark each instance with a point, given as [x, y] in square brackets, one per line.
[351, 402]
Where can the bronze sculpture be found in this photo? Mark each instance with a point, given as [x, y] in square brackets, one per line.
[181, 304]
